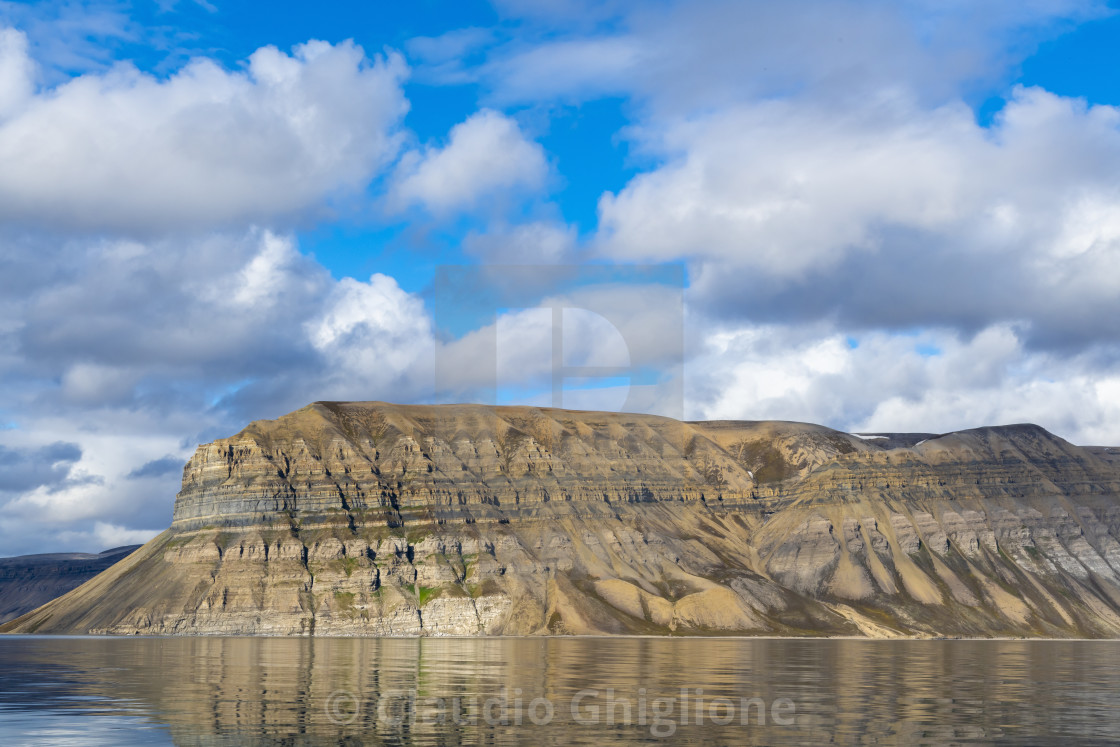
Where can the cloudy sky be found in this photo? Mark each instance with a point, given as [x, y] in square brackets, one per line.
[876, 215]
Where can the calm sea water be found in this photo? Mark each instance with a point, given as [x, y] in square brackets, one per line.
[562, 691]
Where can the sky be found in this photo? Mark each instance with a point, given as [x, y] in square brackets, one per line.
[878, 216]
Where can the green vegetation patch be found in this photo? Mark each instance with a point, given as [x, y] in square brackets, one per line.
[426, 593]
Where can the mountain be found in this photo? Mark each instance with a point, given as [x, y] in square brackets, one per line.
[28, 581]
[349, 518]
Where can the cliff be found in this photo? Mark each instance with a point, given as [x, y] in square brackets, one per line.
[378, 519]
[29, 581]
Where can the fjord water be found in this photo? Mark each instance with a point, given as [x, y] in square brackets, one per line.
[189, 691]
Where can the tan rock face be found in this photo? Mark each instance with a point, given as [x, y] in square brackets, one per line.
[376, 519]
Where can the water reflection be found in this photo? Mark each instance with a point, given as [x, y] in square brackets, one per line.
[190, 691]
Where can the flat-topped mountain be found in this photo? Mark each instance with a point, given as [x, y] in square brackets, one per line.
[348, 518]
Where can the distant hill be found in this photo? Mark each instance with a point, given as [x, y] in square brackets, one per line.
[30, 581]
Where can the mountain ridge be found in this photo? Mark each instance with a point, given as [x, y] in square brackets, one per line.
[29, 581]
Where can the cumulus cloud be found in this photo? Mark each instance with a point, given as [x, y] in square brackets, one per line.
[125, 151]
[486, 155]
[115, 311]
[135, 351]
[141, 311]
[889, 215]
[240, 325]
[818, 167]
[929, 381]
[377, 339]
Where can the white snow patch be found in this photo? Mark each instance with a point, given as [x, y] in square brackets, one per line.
[866, 438]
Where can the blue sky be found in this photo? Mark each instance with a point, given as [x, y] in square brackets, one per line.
[872, 215]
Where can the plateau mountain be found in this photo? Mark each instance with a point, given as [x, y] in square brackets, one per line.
[368, 518]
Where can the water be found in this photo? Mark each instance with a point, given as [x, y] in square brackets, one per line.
[558, 691]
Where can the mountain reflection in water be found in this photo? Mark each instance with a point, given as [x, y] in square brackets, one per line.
[564, 691]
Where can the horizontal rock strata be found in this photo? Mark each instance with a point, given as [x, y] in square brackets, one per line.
[378, 519]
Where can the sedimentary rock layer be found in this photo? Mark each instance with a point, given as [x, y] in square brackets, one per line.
[378, 519]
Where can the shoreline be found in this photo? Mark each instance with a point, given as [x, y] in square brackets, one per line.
[898, 639]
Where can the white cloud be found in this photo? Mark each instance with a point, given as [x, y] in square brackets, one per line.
[264, 279]
[126, 151]
[936, 381]
[888, 215]
[780, 187]
[486, 155]
[134, 351]
[376, 341]
[170, 307]
[818, 168]
[98, 538]
[112, 535]
[16, 72]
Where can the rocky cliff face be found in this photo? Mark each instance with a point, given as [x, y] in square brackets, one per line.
[29, 581]
[376, 519]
